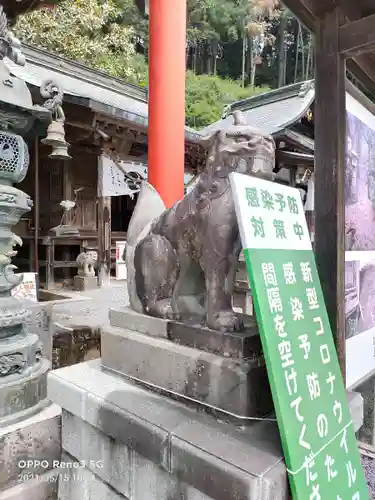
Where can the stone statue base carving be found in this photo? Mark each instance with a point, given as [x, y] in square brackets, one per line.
[82, 283]
[220, 372]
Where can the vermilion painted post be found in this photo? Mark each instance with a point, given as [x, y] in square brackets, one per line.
[166, 109]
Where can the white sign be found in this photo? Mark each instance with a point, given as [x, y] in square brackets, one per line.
[123, 180]
[27, 289]
[121, 271]
[275, 213]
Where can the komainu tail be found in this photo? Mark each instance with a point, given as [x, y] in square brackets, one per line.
[149, 206]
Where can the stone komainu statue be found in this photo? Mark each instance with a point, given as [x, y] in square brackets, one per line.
[87, 263]
[182, 261]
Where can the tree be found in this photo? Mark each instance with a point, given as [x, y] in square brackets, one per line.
[217, 29]
[254, 44]
[207, 96]
[84, 30]
[105, 35]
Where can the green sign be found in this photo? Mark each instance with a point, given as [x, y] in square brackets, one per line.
[315, 425]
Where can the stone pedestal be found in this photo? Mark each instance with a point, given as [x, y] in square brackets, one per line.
[128, 442]
[138, 445]
[82, 283]
[224, 372]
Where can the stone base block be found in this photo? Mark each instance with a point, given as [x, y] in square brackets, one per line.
[227, 384]
[82, 283]
[127, 318]
[28, 450]
[244, 344]
[85, 486]
[137, 445]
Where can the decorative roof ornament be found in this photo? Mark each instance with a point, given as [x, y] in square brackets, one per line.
[54, 95]
[306, 87]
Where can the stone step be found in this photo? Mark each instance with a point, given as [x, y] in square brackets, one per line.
[243, 345]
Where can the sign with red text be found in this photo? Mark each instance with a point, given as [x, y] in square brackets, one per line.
[313, 417]
[27, 289]
[121, 270]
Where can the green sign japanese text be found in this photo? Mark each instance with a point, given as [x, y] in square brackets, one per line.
[317, 434]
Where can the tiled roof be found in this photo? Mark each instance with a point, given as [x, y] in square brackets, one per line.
[273, 111]
[95, 89]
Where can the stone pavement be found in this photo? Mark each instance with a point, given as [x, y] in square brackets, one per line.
[90, 309]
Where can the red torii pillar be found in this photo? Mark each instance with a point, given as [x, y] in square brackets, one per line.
[166, 104]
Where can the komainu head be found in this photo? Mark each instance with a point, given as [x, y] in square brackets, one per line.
[240, 148]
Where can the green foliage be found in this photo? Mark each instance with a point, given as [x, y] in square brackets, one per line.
[231, 38]
[206, 97]
[83, 30]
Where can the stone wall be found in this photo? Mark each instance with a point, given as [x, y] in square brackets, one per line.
[75, 345]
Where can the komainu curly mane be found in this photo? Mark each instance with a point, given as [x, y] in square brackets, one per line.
[182, 261]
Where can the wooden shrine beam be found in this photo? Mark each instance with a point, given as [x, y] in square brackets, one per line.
[351, 9]
[357, 37]
[295, 159]
[304, 10]
[310, 11]
[104, 206]
[330, 130]
[362, 66]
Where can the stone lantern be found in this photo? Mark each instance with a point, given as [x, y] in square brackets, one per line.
[22, 366]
